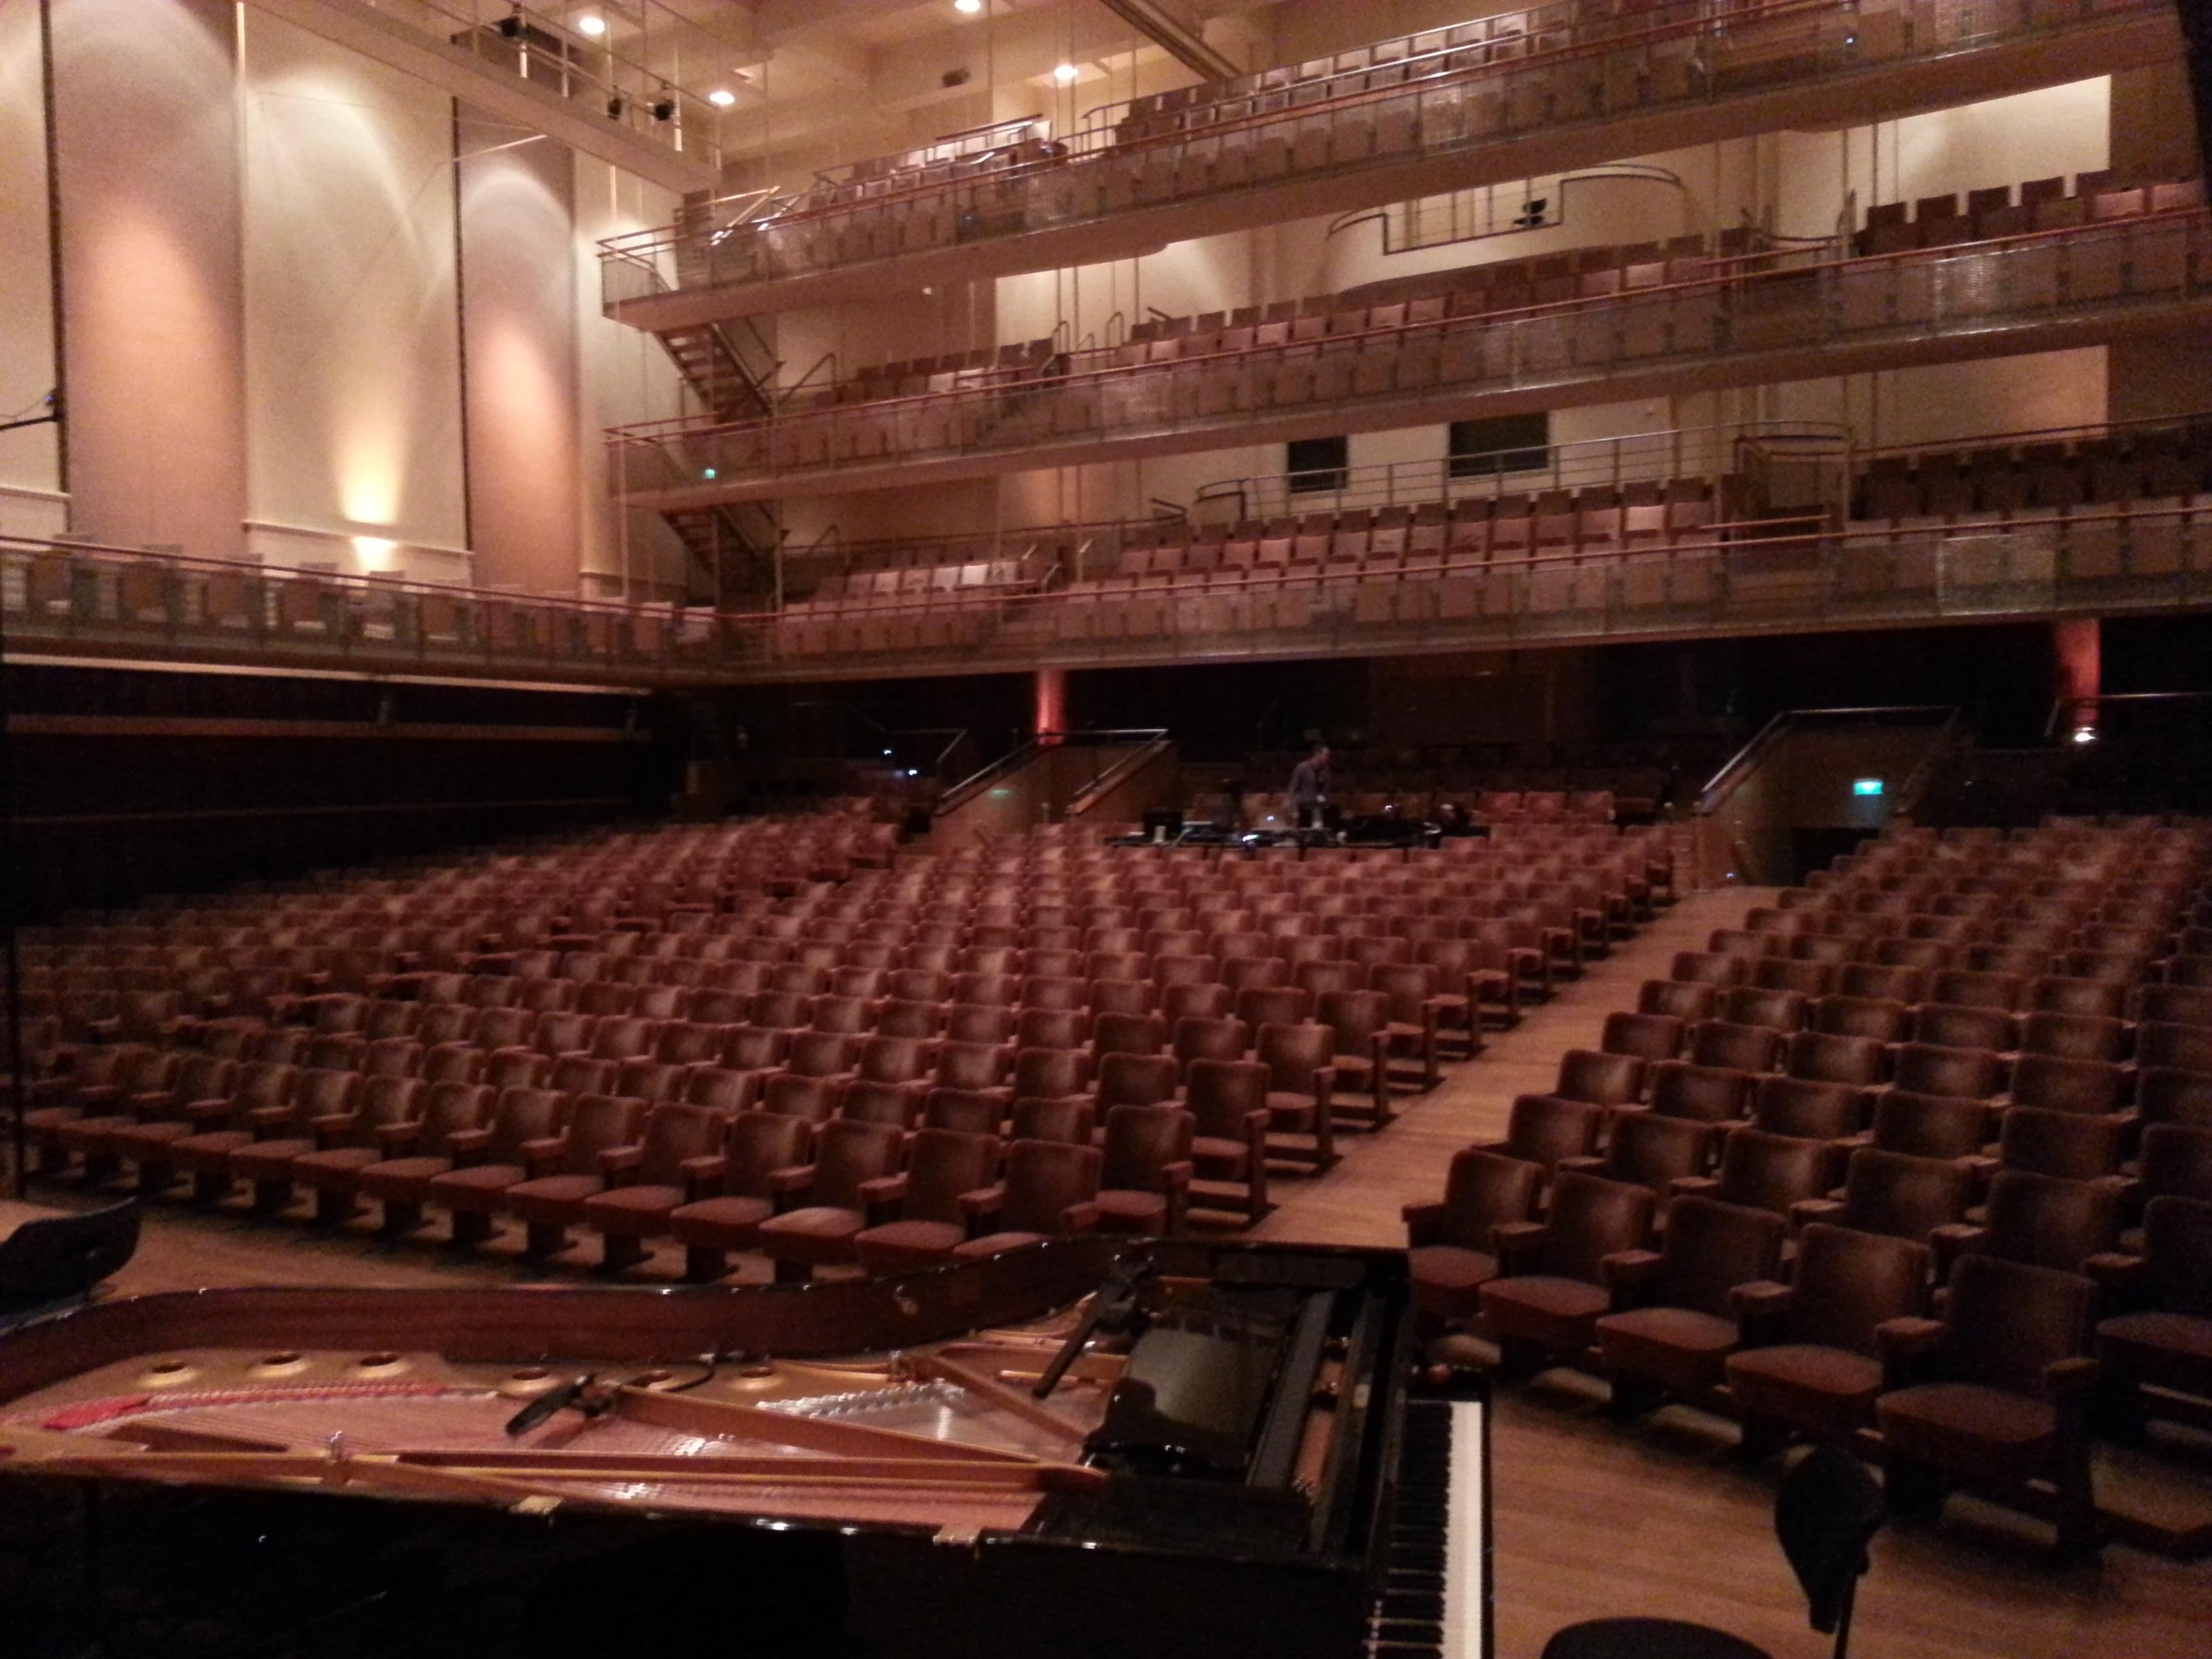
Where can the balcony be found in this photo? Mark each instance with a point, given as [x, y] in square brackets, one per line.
[1648, 330]
[1787, 575]
[1559, 85]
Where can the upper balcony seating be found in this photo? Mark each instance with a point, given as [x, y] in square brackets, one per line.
[1376, 111]
[1581, 317]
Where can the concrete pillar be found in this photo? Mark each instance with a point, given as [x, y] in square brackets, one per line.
[521, 391]
[152, 272]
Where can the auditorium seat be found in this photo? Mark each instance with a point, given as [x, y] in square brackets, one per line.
[1049, 1190]
[1301, 1091]
[943, 1168]
[736, 1191]
[1228, 1104]
[1997, 1395]
[525, 1130]
[1671, 1322]
[410, 1153]
[1550, 1291]
[838, 1192]
[1895, 1193]
[1451, 1245]
[1764, 1171]
[1815, 1357]
[1145, 1178]
[645, 1181]
[2160, 1343]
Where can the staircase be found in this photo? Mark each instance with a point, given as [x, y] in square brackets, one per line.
[731, 548]
[732, 545]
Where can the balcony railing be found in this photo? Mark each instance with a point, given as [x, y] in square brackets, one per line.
[1558, 73]
[2155, 555]
[1710, 451]
[1754, 319]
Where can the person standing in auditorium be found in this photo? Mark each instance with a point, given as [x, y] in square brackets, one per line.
[1308, 790]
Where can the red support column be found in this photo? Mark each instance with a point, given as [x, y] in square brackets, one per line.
[2077, 656]
[1051, 700]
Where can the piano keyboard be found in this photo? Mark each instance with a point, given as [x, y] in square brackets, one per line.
[1435, 1600]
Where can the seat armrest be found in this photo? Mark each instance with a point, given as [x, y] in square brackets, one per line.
[2117, 1273]
[1952, 1240]
[332, 1129]
[704, 1170]
[268, 1117]
[464, 1144]
[1177, 1177]
[393, 1138]
[1628, 1274]
[1516, 1242]
[1759, 1298]
[981, 1202]
[2075, 1375]
[1585, 1164]
[1814, 1209]
[537, 1155]
[1080, 1219]
[1423, 1223]
[1904, 1343]
[616, 1162]
[1693, 1186]
[793, 1178]
[883, 1191]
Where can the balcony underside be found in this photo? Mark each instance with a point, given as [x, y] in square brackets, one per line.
[1089, 232]
[1671, 359]
[2102, 563]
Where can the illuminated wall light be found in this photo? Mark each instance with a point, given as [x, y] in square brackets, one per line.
[374, 552]
[1065, 74]
[721, 97]
[967, 8]
[2085, 734]
[591, 24]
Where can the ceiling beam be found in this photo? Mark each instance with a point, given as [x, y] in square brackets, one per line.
[1180, 39]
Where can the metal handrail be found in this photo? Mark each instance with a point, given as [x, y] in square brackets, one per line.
[968, 788]
[1689, 21]
[2110, 561]
[648, 433]
[1359, 481]
[1129, 765]
[1725, 782]
[2097, 703]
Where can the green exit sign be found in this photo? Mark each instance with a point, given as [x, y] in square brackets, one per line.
[1866, 786]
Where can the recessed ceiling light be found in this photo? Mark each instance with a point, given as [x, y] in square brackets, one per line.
[722, 97]
[970, 7]
[1065, 73]
[591, 24]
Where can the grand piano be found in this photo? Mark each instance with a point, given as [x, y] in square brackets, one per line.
[1082, 1448]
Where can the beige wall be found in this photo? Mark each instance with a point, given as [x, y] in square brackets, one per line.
[626, 376]
[518, 303]
[30, 460]
[153, 284]
[352, 331]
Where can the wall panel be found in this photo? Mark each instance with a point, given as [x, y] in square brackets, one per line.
[352, 354]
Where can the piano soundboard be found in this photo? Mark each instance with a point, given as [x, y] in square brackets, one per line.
[1085, 1449]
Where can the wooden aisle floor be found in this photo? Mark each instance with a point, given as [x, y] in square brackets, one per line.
[1591, 1519]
